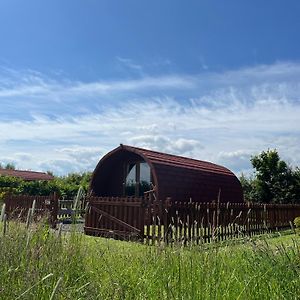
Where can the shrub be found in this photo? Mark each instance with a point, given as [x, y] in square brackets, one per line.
[297, 223]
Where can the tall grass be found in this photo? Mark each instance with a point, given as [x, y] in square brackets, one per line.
[38, 263]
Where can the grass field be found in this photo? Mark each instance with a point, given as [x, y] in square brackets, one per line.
[41, 264]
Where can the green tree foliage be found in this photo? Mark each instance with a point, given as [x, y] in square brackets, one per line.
[297, 183]
[274, 181]
[8, 166]
[248, 188]
[66, 186]
[69, 185]
[9, 185]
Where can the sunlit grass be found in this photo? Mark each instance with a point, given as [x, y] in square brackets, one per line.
[38, 263]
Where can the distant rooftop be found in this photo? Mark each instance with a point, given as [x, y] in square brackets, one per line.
[26, 175]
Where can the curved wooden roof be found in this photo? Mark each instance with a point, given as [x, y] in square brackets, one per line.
[178, 177]
[177, 161]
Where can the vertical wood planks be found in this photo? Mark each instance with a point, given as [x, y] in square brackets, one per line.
[17, 206]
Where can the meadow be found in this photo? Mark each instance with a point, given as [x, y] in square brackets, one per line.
[39, 263]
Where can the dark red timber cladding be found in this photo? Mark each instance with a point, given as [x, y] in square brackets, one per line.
[26, 175]
[177, 177]
[183, 178]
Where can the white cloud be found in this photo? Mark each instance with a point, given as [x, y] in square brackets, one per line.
[239, 159]
[84, 158]
[180, 146]
[224, 118]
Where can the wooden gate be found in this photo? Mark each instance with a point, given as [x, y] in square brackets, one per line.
[121, 218]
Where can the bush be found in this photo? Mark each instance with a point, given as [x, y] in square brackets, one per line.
[66, 186]
[297, 223]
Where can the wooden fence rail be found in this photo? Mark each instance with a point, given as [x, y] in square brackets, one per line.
[152, 221]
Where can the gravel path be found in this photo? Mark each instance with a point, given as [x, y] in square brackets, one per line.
[68, 226]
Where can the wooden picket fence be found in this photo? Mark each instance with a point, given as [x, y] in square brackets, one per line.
[152, 221]
[17, 207]
[206, 222]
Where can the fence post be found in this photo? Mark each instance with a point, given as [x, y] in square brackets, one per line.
[248, 227]
[265, 218]
[7, 201]
[142, 222]
[214, 225]
[54, 210]
[167, 220]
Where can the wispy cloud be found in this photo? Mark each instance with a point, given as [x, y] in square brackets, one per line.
[129, 63]
[222, 117]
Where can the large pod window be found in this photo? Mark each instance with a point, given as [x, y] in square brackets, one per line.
[138, 179]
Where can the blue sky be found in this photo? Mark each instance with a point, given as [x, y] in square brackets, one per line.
[217, 81]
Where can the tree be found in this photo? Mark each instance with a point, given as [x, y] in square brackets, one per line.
[248, 185]
[8, 166]
[296, 184]
[275, 181]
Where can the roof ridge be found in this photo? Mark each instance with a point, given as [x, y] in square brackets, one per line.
[26, 175]
[178, 156]
[27, 171]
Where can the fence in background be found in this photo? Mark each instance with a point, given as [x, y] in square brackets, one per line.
[17, 206]
[67, 209]
[152, 221]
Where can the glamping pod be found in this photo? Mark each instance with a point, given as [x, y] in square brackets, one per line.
[131, 171]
